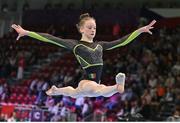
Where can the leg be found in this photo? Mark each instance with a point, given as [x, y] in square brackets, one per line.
[70, 91]
[107, 91]
[92, 89]
[85, 88]
[66, 91]
[103, 90]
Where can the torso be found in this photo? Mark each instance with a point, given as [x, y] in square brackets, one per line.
[88, 54]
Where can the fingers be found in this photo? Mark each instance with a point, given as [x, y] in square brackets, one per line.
[19, 26]
[152, 23]
[14, 26]
[18, 37]
[151, 27]
[149, 32]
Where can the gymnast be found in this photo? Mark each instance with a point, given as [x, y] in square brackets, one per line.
[89, 54]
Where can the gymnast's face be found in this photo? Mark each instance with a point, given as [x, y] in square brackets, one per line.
[88, 29]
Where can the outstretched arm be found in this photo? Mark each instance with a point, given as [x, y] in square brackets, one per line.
[127, 39]
[65, 43]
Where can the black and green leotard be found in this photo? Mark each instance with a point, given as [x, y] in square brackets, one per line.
[89, 55]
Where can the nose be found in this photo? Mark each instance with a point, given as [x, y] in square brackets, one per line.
[93, 30]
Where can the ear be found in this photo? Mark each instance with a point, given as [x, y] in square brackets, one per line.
[81, 29]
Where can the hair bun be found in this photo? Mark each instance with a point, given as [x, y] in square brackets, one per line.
[84, 16]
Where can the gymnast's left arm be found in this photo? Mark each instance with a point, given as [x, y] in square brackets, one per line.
[128, 38]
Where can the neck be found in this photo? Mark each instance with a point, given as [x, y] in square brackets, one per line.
[86, 39]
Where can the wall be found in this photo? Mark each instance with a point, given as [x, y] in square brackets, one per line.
[39, 4]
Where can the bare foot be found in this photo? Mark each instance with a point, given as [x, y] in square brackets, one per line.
[52, 91]
[120, 80]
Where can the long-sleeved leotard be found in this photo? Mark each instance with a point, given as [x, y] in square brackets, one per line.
[89, 55]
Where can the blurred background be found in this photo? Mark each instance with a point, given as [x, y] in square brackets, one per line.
[151, 63]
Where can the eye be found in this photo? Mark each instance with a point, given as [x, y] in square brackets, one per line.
[90, 27]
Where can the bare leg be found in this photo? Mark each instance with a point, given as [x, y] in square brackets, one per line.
[107, 91]
[99, 90]
[90, 88]
[66, 91]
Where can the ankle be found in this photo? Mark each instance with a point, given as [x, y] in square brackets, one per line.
[120, 88]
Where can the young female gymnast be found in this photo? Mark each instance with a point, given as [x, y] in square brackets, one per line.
[89, 55]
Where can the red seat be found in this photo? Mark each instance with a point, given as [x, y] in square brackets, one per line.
[19, 99]
[24, 90]
[18, 114]
[33, 98]
[25, 114]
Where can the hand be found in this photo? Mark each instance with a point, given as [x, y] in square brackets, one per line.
[147, 28]
[20, 31]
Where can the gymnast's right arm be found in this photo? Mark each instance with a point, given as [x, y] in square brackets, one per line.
[65, 43]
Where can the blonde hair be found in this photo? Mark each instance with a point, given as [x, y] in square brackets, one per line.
[82, 19]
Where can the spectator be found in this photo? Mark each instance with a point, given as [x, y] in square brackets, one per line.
[134, 108]
[126, 108]
[2, 117]
[21, 66]
[42, 92]
[169, 96]
[41, 88]
[111, 102]
[152, 85]
[33, 85]
[12, 61]
[55, 109]
[12, 118]
[6, 92]
[127, 95]
[116, 30]
[176, 68]
[147, 96]
[1, 89]
[175, 117]
[86, 108]
[67, 78]
[145, 109]
[79, 103]
[120, 112]
[64, 112]
[160, 91]
[170, 81]
[55, 78]
[33, 57]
